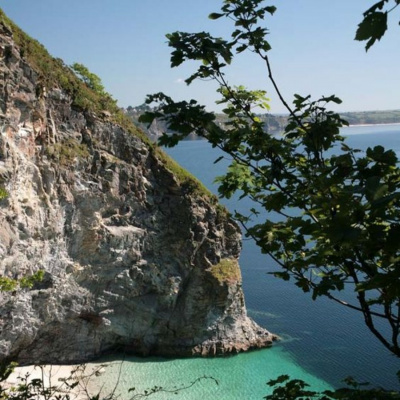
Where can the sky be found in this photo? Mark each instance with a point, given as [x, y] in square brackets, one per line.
[313, 48]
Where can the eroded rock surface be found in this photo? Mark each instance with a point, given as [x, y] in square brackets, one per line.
[130, 255]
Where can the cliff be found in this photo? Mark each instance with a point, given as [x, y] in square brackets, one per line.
[136, 254]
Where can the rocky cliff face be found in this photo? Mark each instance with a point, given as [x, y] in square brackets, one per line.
[132, 258]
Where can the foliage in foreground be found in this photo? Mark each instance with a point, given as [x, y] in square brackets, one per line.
[328, 214]
[296, 389]
[77, 385]
[344, 232]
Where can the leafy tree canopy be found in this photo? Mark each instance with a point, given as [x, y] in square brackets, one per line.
[339, 208]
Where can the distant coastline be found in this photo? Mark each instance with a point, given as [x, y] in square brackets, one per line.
[273, 123]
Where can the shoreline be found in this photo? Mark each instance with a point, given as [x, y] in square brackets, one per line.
[60, 378]
[381, 124]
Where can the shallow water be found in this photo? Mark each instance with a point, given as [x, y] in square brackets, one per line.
[239, 377]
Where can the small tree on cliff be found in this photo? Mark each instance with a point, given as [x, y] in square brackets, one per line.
[345, 233]
[94, 83]
[91, 79]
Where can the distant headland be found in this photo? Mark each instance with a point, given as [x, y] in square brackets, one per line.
[274, 123]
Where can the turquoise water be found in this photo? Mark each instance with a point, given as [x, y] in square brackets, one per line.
[322, 342]
[239, 377]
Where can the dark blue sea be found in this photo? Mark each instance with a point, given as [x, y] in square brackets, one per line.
[322, 342]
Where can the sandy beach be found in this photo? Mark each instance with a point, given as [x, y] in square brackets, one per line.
[60, 378]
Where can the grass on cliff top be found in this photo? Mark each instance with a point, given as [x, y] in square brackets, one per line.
[227, 270]
[185, 178]
[54, 73]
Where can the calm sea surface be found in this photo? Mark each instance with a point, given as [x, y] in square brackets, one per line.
[322, 342]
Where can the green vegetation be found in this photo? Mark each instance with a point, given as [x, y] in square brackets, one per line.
[227, 270]
[350, 204]
[26, 282]
[296, 389]
[85, 93]
[372, 117]
[91, 79]
[344, 232]
[66, 152]
[52, 71]
[7, 284]
[88, 94]
[3, 192]
[185, 179]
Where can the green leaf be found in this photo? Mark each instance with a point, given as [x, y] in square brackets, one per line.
[215, 16]
[270, 9]
[280, 379]
[372, 28]
[282, 275]
[374, 189]
[147, 118]
[332, 98]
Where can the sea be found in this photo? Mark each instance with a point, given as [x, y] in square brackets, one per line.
[321, 342]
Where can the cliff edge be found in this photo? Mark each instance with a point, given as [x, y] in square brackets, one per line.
[136, 254]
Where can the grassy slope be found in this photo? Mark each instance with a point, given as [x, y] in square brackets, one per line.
[227, 270]
[54, 73]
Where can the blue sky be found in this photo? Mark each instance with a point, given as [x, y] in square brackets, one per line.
[313, 51]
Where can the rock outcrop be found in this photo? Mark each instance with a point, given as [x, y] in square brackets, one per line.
[133, 258]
